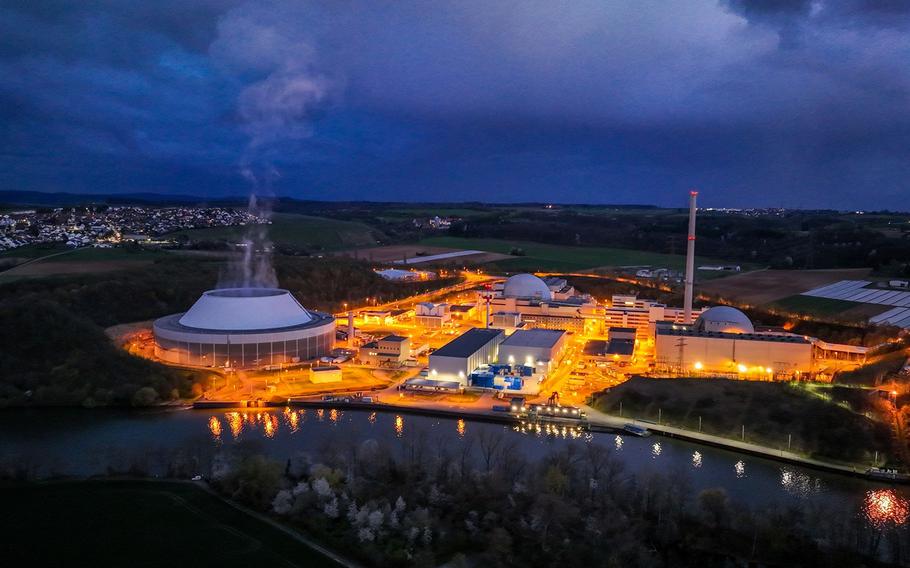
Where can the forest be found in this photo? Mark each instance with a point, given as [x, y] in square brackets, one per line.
[53, 349]
[486, 504]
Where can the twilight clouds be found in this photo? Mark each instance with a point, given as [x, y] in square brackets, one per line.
[757, 102]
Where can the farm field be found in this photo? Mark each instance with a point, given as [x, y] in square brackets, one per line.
[544, 257]
[393, 253]
[762, 287]
[815, 306]
[130, 523]
[300, 231]
[80, 261]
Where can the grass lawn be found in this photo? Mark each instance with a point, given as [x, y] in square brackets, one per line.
[136, 523]
[769, 411]
[300, 231]
[811, 305]
[544, 257]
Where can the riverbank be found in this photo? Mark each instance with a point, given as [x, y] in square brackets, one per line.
[597, 421]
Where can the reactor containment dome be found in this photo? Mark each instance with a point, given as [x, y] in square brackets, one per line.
[724, 319]
[244, 328]
[526, 286]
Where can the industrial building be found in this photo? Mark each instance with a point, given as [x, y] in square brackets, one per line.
[620, 348]
[537, 348]
[244, 328]
[723, 342]
[432, 315]
[391, 351]
[398, 275]
[540, 304]
[630, 311]
[455, 360]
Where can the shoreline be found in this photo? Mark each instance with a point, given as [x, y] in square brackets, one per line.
[597, 421]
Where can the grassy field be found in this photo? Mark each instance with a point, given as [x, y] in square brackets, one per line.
[770, 412]
[134, 523]
[87, 260]
[300, 231]
[544, 257]
[812, 305]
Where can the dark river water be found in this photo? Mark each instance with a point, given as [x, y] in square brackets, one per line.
[88, 442]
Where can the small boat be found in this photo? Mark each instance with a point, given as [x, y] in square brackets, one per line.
[884, 473]
[637, 430]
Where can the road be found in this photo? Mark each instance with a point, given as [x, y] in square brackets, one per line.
[472, 280]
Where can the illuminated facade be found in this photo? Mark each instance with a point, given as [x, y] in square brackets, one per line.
[643, 315]
[244, 328]
[540, 304]
[723, 342]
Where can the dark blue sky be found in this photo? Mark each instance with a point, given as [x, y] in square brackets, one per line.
[756, 102]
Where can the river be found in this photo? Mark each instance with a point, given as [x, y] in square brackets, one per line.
[75, 442]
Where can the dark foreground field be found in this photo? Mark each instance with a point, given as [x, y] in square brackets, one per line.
[135, 523]
[769, 411]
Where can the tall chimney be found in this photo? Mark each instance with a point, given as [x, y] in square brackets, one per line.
[690, 259]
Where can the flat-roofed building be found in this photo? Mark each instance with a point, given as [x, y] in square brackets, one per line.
[463, 312]
[642, 315]
[538, 348]
[389, 351]
[455, 360]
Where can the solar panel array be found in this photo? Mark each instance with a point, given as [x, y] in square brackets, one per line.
[857, 291]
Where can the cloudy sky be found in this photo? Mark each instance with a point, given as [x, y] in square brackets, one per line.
[801, 103]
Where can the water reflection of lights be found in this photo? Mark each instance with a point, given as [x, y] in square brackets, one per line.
[320, 414]
[552, 430]
[460, 428]
[269, 424]
[372, 418]
[399, 426]
[655, 450]
[293, 419]
[696, 459]
[235, 422]
[618, 442]
[797, 483]
[334, 415]
[885, 507]
[215, 427]
[740, 469]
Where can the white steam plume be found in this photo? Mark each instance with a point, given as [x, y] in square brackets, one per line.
[275, 108]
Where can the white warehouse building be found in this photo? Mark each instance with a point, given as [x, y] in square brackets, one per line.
[538, 348]
[455, 360]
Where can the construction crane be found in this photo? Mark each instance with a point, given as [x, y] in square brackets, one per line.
[554, 399]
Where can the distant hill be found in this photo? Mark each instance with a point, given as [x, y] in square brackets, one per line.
[289, 204]
[61, 199]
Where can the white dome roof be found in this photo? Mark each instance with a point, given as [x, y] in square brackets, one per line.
[724, 319]
[242, 309]
[526, 286]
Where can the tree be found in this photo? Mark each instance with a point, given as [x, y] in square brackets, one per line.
[715, 506]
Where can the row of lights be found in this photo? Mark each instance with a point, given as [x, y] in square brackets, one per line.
[740, 368]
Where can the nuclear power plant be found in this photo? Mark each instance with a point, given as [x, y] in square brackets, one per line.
[244, 328]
